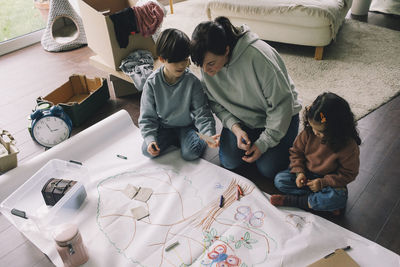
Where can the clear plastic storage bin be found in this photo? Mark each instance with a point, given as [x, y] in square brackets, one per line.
[26, 205]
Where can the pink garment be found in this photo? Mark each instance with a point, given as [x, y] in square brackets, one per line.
[148, 18]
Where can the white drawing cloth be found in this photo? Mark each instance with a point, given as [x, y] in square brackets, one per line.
[184, 208]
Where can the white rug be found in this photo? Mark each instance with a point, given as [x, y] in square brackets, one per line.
[362, 64]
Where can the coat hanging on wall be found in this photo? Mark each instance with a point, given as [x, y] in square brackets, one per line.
[64, 30]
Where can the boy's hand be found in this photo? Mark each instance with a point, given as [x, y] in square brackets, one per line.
[212, 141]
[301, 180]
[153, 149]
[215, 142]
[315, 185]
[243, 141]
[252, 154]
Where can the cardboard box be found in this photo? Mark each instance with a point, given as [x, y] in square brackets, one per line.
[80, 97]
[9, 161]
[100, 34]
[122, 87]
[121, 83]
[338, 258]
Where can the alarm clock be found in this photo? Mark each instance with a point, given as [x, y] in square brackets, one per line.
[50, 127]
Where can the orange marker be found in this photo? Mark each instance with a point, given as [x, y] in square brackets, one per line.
[240, 190]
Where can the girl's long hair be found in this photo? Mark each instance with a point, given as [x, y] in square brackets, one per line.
[334, 112]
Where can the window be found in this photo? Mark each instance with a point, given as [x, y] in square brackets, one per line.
[22, 23]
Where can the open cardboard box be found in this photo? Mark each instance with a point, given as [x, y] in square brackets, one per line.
[100, 34]
[80, 97]
[9, 161]
[120, 82]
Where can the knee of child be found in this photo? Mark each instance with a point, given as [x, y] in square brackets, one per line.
[189, 157]
[340, 197]
[229, 163]
[278, 181]
[194, 151]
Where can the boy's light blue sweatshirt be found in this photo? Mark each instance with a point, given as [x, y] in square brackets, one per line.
[178, 105]
[254, 89]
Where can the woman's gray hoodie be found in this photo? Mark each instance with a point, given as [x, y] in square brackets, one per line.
[254, 89]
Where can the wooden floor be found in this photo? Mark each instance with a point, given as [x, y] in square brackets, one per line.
[373, 208]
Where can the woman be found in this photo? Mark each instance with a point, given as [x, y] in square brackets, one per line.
[250, 91]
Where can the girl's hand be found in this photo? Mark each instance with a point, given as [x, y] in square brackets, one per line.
[315, 185]
[214, 144]
[301, 180]
[243, 141]
[153, 149]
[252, 154]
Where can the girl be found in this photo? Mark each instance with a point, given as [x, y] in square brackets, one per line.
[323, 160]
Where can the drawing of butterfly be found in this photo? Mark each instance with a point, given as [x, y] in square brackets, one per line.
[255, 219]
[221, 259]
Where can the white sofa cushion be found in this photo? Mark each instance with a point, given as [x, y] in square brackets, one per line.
[304, 22]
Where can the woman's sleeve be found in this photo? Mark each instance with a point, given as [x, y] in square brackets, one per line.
[227, 119]
[148, 119]
[278, 95]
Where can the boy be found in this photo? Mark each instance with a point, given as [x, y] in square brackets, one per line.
[173, 107]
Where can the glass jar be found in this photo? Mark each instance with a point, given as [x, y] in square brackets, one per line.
[70, 246]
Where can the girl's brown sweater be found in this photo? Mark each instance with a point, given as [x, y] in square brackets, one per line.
[337, 169]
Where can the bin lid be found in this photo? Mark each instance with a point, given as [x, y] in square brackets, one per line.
[65, 233]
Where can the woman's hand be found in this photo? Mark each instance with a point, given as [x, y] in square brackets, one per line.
[243, 141]
[214, 144]
[252, 154]
[301, 180]
[315, 185]
[153, 149]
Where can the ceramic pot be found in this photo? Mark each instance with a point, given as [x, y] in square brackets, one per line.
[43, 7]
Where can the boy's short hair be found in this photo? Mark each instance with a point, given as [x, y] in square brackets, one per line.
[173, 45]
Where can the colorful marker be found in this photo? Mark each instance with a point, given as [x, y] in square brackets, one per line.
[240, 190]
[221, 201]
[171, 246]
[121, 157]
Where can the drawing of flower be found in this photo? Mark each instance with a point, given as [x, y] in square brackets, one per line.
[246, 241]
[210, 237]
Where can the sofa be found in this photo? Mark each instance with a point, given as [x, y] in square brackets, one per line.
[300, 22]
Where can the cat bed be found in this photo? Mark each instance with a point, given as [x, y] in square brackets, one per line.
[300, 22]
[64, 30]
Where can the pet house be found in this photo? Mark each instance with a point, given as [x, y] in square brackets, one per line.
[64, 30]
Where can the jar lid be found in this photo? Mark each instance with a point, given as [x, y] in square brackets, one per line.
[65, 232]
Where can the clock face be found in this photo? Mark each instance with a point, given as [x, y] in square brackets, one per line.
[49, 131]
